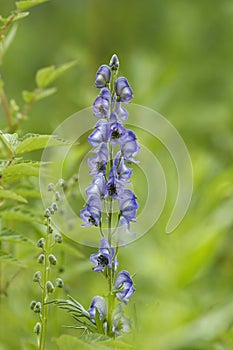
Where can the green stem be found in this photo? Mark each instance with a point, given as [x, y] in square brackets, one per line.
[6, 109]
[46, 274]
[8, 23]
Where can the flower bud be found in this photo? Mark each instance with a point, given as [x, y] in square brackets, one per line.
[50, 187]
[37, 308]
[47, 212]
[32, 304]
[57, 238]
[61, 182]
[59, 282]
[41, 243]
[37, 328]
[114, 62]
[50, 287]
[41, 258]
[37, 276]
[103, 76]
[50, 229]
[52, 259]
[54, 206]
[58, 196]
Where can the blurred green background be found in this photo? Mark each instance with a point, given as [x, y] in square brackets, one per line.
[177, 56]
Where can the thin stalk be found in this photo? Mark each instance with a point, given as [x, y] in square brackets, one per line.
[6, 109]
[8, 23]
[46, 274]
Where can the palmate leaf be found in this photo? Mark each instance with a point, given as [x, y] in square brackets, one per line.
[24, 5]
[10, 141]
[32, 142]
[47, 75]
[12, 236]
[17, 171]
[12, 195]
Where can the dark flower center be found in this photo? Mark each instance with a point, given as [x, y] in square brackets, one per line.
[101, 166]
[92, 221]
[112, 190]
[116, 134]
[102, 260]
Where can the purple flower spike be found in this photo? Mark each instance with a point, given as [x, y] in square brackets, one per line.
[100, 134]
[98, 303]
[128, 205]
[92, 213]
[104, 257]
[103, 76]
[123, 90]
[124, 286]
[101, 105]
[129, 146]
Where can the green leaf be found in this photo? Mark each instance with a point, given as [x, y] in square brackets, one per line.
[10, 141]
[24, 5]
[17, 17]
[12, 195]
[12, 236]
[47, 75]
[7, 41]
[28, 193]
[16, 171]
[32, 142]
[38, 94]
[69, 342]
[17, 215]
[9, 258]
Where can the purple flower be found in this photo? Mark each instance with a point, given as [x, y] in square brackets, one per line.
[98, 303]
[99, 162]
[117, 132]
[121, 112]
[114, 186]
[100, 134]
[128, 205]
[123, 90]
[123, 172]
[101, 105]
[98, 186]
[104, 257]
[129, 146]
[103, 76]
[121, 324]
[124, 286]
[92, 213]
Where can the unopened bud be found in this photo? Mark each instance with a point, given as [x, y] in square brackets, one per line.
[49, 287]
[61, 182]
[58, 238]
[37, 276]
[41, 243]
[47, 212]
[41, 258]
[54, 206]
[114, 62]
[50, 229]
[52, 259]
[50, 187]
[58, 196]
[32, 304]
[37, 308]
[37, 328]
[59, 282]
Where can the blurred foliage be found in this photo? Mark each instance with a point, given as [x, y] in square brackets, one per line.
[178, 58]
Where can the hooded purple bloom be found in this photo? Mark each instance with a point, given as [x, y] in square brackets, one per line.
[104, 257]
[98, 303]
[124, 286]
[121, 112]
[101, 105]
[117, 132]
[121, 324]
[99, 162]
[92, 213]
[129, 146]
[100, 134]
[114, 186]
[128, 205]
[123, 172]
[103, 76]
[123, 90]
[98, 186]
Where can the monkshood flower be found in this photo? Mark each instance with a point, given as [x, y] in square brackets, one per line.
[123, 90]
[103, 76]
[128, 205]
[117, 133]
[114, 186]
[129, 146]
[124, 173]
[91, 215]
[124, 286]
[101, 105]
[98, 186]
[98, 303]
[100, 134]
[104, 257]
[99, 162]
